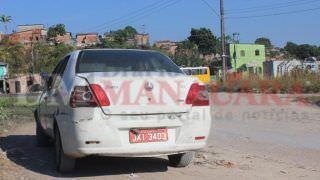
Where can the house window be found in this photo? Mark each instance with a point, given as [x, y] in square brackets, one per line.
[242, 53]
[257, 52]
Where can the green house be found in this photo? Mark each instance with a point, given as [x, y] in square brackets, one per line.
[247, 58]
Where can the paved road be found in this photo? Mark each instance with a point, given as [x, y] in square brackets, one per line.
[248, 141]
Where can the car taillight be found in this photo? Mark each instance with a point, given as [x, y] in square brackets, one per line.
[198, 95]
[100, 95]
[88, 96]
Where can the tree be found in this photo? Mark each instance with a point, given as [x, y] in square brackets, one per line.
[187, 54]
[55, 30]
[291, 48]
[305, 50]
[14, 55]
[264, 41]
[121, 36]
[5, 20]
[302, 51]
[204, 39]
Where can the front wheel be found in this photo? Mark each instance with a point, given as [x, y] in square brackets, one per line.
[64, 163]
[181, 160]
[43, 139]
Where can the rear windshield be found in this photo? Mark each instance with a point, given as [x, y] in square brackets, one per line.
[124, 61]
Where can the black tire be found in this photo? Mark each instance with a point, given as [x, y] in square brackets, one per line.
[64, 163]
[43, 140]
[181, 160]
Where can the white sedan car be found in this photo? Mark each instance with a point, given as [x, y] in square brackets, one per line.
[124, 103]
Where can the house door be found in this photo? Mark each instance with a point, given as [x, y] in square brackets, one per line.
[18, 87]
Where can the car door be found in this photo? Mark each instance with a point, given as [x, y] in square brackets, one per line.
[53, 100]
[43, 103]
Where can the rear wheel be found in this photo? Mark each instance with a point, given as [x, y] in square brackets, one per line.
[181, 160]
[64, 163]
[43, 139]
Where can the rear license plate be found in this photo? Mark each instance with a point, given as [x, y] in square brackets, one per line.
[148, 135]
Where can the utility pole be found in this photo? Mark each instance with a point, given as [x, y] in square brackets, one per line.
[223, 42]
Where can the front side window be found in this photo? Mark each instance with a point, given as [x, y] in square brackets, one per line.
[58, 73]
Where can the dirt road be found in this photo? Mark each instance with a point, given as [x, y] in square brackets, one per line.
[248, 141]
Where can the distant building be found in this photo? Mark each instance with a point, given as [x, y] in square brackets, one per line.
[311, 64]
[247, 58]
[28, 34]
[280, 68]
[86, 39]
[29, 27]
[131, 42]
[142, 39]
[22, 84]
[65, 39]
[167, 45]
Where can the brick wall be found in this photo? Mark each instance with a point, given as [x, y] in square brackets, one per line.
[26, 37]
[66, 39]
[86, 39]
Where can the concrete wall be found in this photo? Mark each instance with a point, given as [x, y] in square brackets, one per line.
[280, 68]
[30, 27]
[25, 82]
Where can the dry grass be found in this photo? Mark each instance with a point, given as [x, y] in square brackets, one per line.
[296, 82]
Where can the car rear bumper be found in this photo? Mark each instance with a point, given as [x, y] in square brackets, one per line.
[139, 152]
[110, 135]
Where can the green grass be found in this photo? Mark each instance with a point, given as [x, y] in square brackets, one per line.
[15, 110]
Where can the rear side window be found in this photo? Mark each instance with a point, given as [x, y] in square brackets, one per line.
[124, 61]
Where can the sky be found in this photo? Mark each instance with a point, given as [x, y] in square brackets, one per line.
[173, 19]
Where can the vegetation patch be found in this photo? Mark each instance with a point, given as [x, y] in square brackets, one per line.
[13, 112]
[297, 82]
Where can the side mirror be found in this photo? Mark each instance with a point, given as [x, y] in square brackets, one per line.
[47, 79]
[44, 75]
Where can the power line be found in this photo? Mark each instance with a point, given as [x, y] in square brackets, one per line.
[274, 14]
[135, 12]
[144, 15]
[211, 8]
[272, 8]
[268, 5]
[140, 15]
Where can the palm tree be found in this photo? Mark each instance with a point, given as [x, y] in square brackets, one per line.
[4, 20]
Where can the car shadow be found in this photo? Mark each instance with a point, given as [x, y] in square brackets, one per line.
[22, 150]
